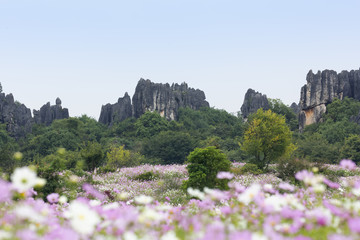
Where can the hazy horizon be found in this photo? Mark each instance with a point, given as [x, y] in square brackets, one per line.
[89, 53]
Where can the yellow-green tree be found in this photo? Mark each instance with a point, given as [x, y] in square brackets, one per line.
[267, 137]
[120, 157]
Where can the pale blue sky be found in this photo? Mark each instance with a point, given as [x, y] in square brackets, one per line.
[89, 53]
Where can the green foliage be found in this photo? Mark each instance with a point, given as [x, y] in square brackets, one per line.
[277, 106]
[315, 148]
[8, 147]
[92, 153]
[171, 147]
[147, 176]
[351, 148]
[340, 110]
[267, 137]
[119, 157]
[150, 124]
[250, 168]
[203, 166]
[53, 181]
[286, 168]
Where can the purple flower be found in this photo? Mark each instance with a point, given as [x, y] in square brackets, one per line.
[93, 192]
[354, 225]
[5, 190]
[303, 174]
[224, 175]
[331, 184]
[286, 186]
[347, 164]
[53, 198]
[339, 237]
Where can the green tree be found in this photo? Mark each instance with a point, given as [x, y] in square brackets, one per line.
[171, 147]
[267, 137]
[342, 109]
[150, 124]
[351, 148]
[92, 154]
[203, 166]
[277, 106]
[315, 148]
[119, 157]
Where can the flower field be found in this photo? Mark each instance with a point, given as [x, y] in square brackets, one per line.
[147, 202]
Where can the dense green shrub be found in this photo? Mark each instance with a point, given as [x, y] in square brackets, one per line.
[203, 166]
[286, 168]
[146, 176]
[250, 168]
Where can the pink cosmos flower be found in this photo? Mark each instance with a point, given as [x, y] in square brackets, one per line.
[53, 198]
[5, 190]
[224, 175]
[347, 164]
[303, 174]
[354, 225]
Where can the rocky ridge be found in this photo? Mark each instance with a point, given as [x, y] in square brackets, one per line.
[154, 97]
[15, 115]
[321, 89]
[252, 102]
[48, 113]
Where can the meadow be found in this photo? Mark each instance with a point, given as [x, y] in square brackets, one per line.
[147, 202]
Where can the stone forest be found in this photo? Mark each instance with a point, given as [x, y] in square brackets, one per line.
[163, 164]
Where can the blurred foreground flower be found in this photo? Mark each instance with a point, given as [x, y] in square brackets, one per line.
[82, 218]
[24, 179]
[224, 175]
[347, 164]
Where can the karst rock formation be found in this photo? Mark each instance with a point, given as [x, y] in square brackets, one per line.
[154, 97]
[321, 89]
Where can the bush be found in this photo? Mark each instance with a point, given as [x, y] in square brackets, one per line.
[147, 176]
[203, 166]
[251, 168]
[287, 168]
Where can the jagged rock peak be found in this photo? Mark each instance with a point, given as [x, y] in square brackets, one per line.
[158, 97]
[322, 88]
[111, 113]
[48, 113]
[166, 99]
[252, 102]
[295, 107]
[15, 115]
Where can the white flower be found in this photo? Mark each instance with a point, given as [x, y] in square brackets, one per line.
[130, 236]
[276, 202]
[82, 218]
[196, 193]
[142, 199]
[149, 215]
[249, 194]
[169, 236]
[63, 199]
[5, 235]
[27, 212]
[24, 179]
[319, 188]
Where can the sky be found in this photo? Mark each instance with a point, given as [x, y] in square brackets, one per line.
[89, 53]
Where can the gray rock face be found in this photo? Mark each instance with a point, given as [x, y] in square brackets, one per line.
[117, 112]
[295, 107]
[252, 102]
[15, 115]
[48, 113]
[154, 97]
[321, 89]
[166, 99]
